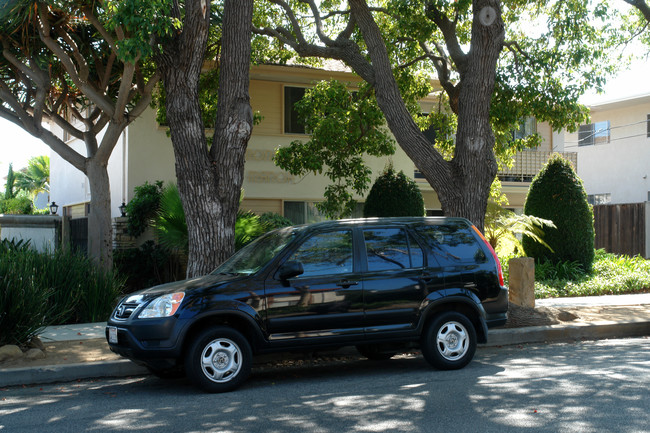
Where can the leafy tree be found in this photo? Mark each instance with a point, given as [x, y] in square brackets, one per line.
[557, 194]
[72, 63]
[492, 74]
[35, 178]
[341, 122]
[392, 195]
[11, 181]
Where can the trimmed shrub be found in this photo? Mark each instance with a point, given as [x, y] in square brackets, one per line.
[392, 195]
[557, 194]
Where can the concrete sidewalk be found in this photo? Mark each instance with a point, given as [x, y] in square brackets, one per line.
[632, 319]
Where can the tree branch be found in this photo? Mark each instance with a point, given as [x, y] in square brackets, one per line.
[448, 29]
[642, 6]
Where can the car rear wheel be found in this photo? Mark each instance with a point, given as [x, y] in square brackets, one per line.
[219, 359]
[449, 341]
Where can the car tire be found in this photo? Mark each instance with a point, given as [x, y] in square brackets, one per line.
[219, 359]
[449, 341]
[374, 352]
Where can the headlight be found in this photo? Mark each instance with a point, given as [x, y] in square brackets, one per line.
[163, 306]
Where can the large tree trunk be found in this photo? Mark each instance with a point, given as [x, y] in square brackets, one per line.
[474, 165]
[209, 182]
[463, 184]
[100, 228]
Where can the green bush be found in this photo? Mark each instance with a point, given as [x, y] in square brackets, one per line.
[274, 221]
[21, 205]
[42, 289]
[394, 194]
[557, 194]
[146, 266]
[143, 207]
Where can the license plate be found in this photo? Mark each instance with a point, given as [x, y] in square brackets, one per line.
[112, 334]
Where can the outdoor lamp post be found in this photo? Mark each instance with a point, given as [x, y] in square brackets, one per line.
[54, 208]
[122, 209]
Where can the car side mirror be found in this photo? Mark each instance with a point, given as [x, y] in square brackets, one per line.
[290, 269]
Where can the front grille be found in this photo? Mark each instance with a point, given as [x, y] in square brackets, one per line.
[125, 310]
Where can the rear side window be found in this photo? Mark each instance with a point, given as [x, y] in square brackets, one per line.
[453, 242]
[326, 254]
[389, 248]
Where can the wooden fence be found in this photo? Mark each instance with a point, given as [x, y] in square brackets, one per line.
[622, 228]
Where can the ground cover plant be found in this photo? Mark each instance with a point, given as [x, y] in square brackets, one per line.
[611, 275]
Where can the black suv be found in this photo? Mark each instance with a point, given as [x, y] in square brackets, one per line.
[383, 285]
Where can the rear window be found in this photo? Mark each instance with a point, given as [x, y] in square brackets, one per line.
[452, 242]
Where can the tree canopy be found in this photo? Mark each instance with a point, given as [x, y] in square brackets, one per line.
[497, 63]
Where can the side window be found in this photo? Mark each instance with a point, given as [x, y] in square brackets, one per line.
[326, 254]
[389, 249]
[452, 242]
[292, 122]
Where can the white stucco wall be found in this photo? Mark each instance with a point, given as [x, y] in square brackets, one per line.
[622, 166]
[69, 186]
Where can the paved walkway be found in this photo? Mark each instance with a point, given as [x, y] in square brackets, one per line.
[634, 323]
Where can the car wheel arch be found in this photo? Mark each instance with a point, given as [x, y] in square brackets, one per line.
[237, 320]
[474, 312]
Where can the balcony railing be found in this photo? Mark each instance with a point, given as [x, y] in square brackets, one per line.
[526, 165]
[529, 162]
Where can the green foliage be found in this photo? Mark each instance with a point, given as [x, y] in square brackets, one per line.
[170, 224]
[557, 194]
[143, 207]
[18, 205]
[35, 178]
[42, 289]
[611, 275]
[346, 125]
[247, 227]
[273, 220]
[394, 194]
[502, 226]
[9, 184]
[146, 266]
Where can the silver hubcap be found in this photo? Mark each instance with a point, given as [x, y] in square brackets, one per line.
[452, 341]
[221, 360]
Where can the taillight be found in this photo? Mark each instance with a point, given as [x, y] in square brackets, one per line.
[494, 254]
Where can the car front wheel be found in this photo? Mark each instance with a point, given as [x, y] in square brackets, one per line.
[219, 359]
[449, 341]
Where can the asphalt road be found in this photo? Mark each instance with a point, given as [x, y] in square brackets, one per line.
[592, 386]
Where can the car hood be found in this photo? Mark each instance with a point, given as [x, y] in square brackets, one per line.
[206, 281]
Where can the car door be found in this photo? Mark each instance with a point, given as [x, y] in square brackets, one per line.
[323, 301]
[392, 281]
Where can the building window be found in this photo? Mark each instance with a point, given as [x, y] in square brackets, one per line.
[596, 199]
[594, 133]
[292, 122]
[527, 127]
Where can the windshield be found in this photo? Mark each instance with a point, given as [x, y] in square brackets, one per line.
[258, 253]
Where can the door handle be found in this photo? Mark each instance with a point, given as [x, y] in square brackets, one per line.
[346, 283]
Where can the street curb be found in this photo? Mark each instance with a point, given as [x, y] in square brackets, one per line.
[496, 337]
[589, 331]
[69, 372]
